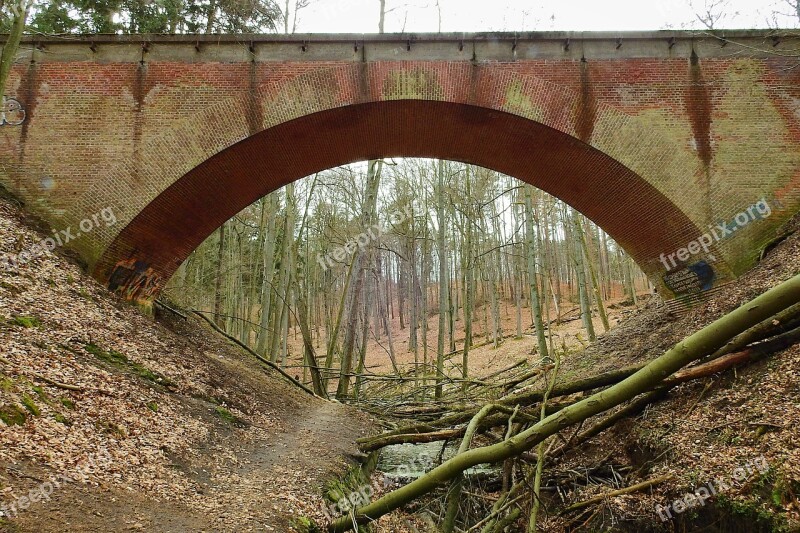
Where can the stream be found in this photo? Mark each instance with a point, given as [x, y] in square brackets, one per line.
[410, 461]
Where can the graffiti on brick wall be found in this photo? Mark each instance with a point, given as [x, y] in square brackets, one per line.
[11, 113]
[134, 280]
[694, 278]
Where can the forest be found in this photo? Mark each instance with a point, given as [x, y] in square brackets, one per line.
[377, 261]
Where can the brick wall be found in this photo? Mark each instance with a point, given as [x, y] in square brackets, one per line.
[656, 150]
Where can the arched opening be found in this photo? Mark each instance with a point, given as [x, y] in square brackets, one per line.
[639, 217]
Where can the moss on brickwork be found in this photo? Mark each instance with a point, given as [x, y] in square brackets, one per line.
[754, 158]
[417, 83]
[520, 103]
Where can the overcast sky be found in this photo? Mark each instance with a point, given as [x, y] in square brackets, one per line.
[361, 16]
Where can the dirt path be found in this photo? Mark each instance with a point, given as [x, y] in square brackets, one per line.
[256, 487]
[195, 435]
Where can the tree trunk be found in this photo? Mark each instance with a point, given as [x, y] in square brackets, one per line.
[580, 274]
[12, 44]
[218, 282]
[271, 211]
[536, 307]
[367, 219]
[443, 273]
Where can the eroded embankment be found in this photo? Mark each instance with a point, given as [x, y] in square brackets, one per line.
[114, 422]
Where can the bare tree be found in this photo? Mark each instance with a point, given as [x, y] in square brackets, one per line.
[712, 12]
[20, 10]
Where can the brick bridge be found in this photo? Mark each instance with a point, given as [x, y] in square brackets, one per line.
[684, 147]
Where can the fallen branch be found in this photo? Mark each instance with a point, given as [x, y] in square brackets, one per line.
[254, 354]
[509, 519]
[512, 383]
[454, 495]
[59, 385]
[496, 373]
[171, 310]
[706, 341]
[619, 492]
[429, 433]
[522, 399]
[541, 453]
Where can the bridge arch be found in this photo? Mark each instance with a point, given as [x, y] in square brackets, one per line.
[611, 166]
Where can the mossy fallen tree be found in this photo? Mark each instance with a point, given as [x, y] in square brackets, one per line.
[700, 344]
[434, 435]
[422, 432]
[522, 399]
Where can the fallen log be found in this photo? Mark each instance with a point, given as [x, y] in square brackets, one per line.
[431, 433]
[522, 399]
[698, 345]
[510, 384]
[722, 364]
[714, 366]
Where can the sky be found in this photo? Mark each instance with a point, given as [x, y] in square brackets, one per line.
[361, 16]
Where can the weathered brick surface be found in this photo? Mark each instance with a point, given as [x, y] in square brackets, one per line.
[656, 147]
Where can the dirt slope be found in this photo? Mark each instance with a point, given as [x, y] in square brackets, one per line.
[129, 424]
[741, 428]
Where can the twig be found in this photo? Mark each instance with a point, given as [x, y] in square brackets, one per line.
[496, 513]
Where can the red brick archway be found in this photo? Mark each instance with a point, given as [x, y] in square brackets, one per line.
[680, 133]
[167, 230]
